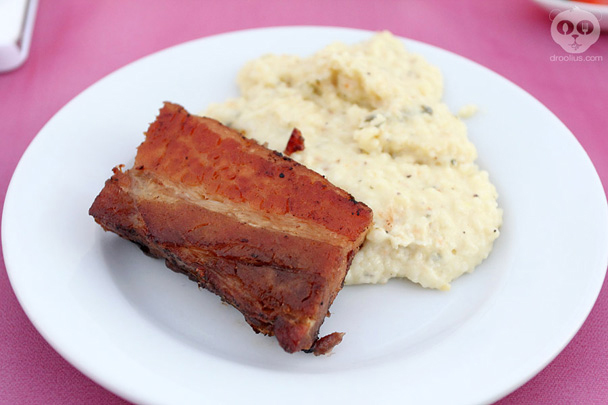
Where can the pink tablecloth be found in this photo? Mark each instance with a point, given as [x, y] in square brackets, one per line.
[77, 42]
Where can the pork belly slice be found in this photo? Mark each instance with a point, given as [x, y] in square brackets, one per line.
[269, 236]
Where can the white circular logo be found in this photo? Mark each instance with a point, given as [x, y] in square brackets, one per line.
[575, 30]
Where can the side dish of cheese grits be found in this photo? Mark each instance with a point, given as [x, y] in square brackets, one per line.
[374, 124]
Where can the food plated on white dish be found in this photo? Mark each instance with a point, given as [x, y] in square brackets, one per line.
[151, 335]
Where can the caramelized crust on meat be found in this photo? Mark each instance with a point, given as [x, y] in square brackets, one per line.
[326, 344]
[269, 236]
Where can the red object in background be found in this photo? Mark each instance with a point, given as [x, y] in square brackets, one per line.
[594, 1]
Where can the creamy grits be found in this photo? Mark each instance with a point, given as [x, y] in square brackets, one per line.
[374, 124]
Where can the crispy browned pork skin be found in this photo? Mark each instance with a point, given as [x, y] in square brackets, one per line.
[269, 236]
[295, 143]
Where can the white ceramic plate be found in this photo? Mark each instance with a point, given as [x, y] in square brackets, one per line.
[599, 10]
[151, 336]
